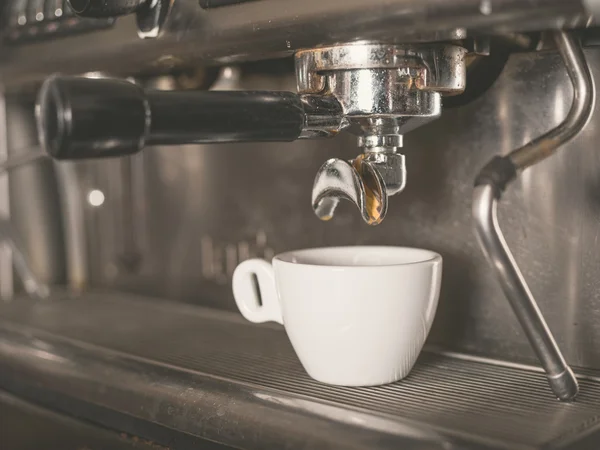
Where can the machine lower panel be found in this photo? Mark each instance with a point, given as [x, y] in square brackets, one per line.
[124, 361]
[18, 418]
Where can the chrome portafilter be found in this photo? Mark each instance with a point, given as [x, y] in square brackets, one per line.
[384, 91]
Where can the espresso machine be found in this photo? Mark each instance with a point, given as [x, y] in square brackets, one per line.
[150, 146]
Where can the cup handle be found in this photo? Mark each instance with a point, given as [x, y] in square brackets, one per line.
[255, 291]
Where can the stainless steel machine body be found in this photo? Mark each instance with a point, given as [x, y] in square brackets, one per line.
[174, 223]
[190, 239]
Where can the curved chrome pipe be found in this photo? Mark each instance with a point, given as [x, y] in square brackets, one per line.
[560, 376]
[490, 184]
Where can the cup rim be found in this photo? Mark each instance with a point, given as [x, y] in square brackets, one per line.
[285, 257]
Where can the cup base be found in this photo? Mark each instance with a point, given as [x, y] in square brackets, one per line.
[363, 381]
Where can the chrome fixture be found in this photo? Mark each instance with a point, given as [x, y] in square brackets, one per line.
[384, 91]
[489, 186]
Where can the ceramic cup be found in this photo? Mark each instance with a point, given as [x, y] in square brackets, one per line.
[356, 316]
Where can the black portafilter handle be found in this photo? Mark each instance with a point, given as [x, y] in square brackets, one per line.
[83, 118]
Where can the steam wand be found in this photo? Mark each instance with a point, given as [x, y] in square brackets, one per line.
[489, 186]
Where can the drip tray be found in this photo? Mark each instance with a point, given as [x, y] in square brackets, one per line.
[167, 371]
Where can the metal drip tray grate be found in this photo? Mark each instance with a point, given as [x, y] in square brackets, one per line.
[462, 400]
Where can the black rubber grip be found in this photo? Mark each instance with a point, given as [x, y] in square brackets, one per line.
[498, 173]
[81, 118]
[224, 116]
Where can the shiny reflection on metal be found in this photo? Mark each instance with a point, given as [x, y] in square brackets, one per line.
[364, 187]
[32, 285]
[324, 117]
[485, 201]
[95, 198]
[391, 166]
[379, 142]
[151, 17]
[383, 89]
[210, 374]
[228, 79]
[435, 67]
[366, 181]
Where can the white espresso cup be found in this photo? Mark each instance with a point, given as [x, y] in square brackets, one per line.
[356, 316]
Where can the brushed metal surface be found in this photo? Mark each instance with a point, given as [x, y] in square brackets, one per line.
[73, 220]
[269, 28]
[213, 375]
[199, 210]
[34, 200]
